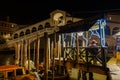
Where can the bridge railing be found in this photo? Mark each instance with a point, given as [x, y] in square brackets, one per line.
[32, 36]
[86, 55]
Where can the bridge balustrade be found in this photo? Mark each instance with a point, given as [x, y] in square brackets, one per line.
[86, 55]
[86, 60]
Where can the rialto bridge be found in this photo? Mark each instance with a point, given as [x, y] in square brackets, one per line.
[59, 48]
[23, 38]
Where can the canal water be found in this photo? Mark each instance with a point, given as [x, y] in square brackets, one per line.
[7, 57]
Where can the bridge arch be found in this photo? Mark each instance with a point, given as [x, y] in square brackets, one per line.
[69, 21]
[40, 27]
[34, 29]
[27, 31]
[115, 30]
[21, 33]
[15, 35]
[47, 25]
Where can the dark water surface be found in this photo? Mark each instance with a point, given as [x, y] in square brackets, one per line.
[7, 57]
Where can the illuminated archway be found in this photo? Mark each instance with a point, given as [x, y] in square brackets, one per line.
[115, 30]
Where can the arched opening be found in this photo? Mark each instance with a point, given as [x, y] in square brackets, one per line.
[27, 31]
[69, 21]
[47, 25]
[115, 30]
[34, 29]
[15, 36]
[21, 33]
[40, 27]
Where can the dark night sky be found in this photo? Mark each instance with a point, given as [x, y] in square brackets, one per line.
[32, 11]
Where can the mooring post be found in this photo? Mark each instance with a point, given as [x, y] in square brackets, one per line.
[46, 55]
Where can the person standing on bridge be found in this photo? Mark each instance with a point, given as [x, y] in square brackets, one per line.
[93, 47]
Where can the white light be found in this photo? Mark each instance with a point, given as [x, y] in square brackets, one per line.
[80, 33]
[109, 18]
